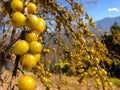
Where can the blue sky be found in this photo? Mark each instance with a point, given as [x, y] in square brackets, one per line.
[104, 8]
[101, 9]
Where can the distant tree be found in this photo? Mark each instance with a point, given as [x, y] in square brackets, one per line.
[112, 42]
[115, 28]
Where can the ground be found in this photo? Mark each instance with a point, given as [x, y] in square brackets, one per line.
[66, 83]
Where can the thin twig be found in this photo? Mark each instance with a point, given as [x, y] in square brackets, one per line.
[11, 86]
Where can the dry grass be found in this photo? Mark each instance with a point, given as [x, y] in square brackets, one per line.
[65, 83]
[115, 81]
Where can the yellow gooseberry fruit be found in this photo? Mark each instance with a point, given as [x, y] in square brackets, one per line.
[18, 20]
[110, 84]
[96, 60]
[32, 21]
[42, 25]
[104, 73]
[26, 83]
[17, 5]
[92, 51]
[82, 40]
[98, 82]
[46, 50]
[32, 36]
[20, 47]
[35, 47]
[28, 60]
[31, 8]
[44, 79]
[37, 56]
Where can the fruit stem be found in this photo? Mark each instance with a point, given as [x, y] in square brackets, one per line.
[14, 73]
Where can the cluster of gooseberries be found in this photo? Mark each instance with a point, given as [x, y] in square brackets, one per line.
[28, 47]
[88, 66]
[43, 73]
[88, 54]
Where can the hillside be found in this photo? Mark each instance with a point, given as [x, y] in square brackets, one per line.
[106, 23]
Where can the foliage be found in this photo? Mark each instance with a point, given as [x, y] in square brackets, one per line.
[115, 30]
[113, 44]
[67, 38]
[115, 81]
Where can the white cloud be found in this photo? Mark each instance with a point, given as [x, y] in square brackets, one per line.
[113, 9]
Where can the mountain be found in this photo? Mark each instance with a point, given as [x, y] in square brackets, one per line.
[106, 23]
